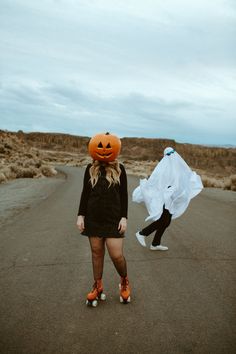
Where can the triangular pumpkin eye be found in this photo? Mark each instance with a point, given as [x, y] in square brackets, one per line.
[100, 145]
[108, 146]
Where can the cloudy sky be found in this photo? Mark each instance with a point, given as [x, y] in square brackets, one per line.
[146, 68]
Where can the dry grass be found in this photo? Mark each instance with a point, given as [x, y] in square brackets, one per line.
[231, 185]
[35, 155]
[214, 160]
[48, 171]
[143, 169]
[2, 177]
[19, 160]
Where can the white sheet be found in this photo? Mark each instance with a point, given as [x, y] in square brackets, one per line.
[172, 183]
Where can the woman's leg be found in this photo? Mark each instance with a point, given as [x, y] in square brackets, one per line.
[115, 249]
[97, 245]
[163, 223]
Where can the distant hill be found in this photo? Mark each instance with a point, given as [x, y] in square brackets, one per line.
[33, 155]
[215, 160]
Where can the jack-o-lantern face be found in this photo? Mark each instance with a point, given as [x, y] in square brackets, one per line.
[104, 147]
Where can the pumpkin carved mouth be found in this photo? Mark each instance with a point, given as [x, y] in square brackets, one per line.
[104, 156]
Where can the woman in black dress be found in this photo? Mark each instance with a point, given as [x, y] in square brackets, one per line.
[102, 216]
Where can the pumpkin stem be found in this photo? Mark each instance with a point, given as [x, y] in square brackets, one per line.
[107, 133]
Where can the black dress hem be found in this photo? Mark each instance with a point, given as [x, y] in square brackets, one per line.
[102, 236]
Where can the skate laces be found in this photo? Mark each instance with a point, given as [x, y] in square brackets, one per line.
[97, 286]
[94, 287]
[124, 283]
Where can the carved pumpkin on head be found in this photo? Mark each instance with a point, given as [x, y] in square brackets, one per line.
[104, 147]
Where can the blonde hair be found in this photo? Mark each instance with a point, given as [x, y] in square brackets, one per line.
[112, 169]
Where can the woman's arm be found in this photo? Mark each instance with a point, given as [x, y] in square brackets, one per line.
[85, 192]
[123, 192]
[80, 223]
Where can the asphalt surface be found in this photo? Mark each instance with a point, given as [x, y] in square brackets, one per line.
[183, 300]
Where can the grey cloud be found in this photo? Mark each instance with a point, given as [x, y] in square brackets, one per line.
[139, 73]
[72, 110]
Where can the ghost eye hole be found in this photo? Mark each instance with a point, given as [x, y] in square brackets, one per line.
[100, 145]
[108, 146]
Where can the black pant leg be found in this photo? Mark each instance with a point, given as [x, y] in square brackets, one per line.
[164, 222]
[150, 228]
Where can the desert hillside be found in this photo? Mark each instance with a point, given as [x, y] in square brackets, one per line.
[33, 153]
[20, 160]
[216, 160]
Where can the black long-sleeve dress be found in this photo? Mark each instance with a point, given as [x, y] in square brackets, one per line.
[103, 206]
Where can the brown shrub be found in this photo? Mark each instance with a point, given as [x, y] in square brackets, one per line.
[24, 172]
[227, 184]
[8, 146]
[48, 171]
[16, 168]
[29, 172]
[2, 177]
[32, 162]
[2, 149]
[7, 172]
[210, 182]
[233, 182]
[29, 155]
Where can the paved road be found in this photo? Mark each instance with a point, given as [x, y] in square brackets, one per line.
[183, 300]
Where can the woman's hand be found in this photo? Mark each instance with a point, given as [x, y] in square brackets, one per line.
[80, 223]
[122, 225]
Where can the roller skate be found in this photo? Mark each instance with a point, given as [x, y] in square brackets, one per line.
[124, 290]
[95, 294]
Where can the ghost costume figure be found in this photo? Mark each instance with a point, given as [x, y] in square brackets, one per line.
[166, 194]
